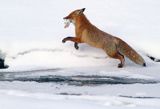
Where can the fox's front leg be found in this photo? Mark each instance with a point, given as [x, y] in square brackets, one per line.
[73, 39]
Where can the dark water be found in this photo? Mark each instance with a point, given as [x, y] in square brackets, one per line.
[78, 80]
[140, 97]
[84, 80]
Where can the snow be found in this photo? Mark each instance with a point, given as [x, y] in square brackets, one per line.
[30, 40]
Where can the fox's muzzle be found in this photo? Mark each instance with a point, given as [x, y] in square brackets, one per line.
[66, 23]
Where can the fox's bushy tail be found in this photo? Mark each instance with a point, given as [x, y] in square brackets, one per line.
[129, 52]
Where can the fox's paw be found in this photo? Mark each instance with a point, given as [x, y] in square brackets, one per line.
[64, 40]
[76, 46]
[120, 65]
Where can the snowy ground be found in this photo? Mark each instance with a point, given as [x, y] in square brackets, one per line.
[44, 73]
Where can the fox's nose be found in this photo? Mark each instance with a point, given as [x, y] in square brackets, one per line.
[64, 18]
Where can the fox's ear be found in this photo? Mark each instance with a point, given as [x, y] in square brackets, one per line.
[81, 11]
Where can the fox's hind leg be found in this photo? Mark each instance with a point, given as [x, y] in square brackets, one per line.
[121, 58]
[112, 52]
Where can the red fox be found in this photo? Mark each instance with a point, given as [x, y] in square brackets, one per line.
[90, 34]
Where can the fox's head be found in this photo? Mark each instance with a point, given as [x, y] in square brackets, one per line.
[71, 18]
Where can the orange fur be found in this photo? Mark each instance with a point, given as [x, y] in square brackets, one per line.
[90, 34]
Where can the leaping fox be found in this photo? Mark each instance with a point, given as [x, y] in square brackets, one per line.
[88, 33]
